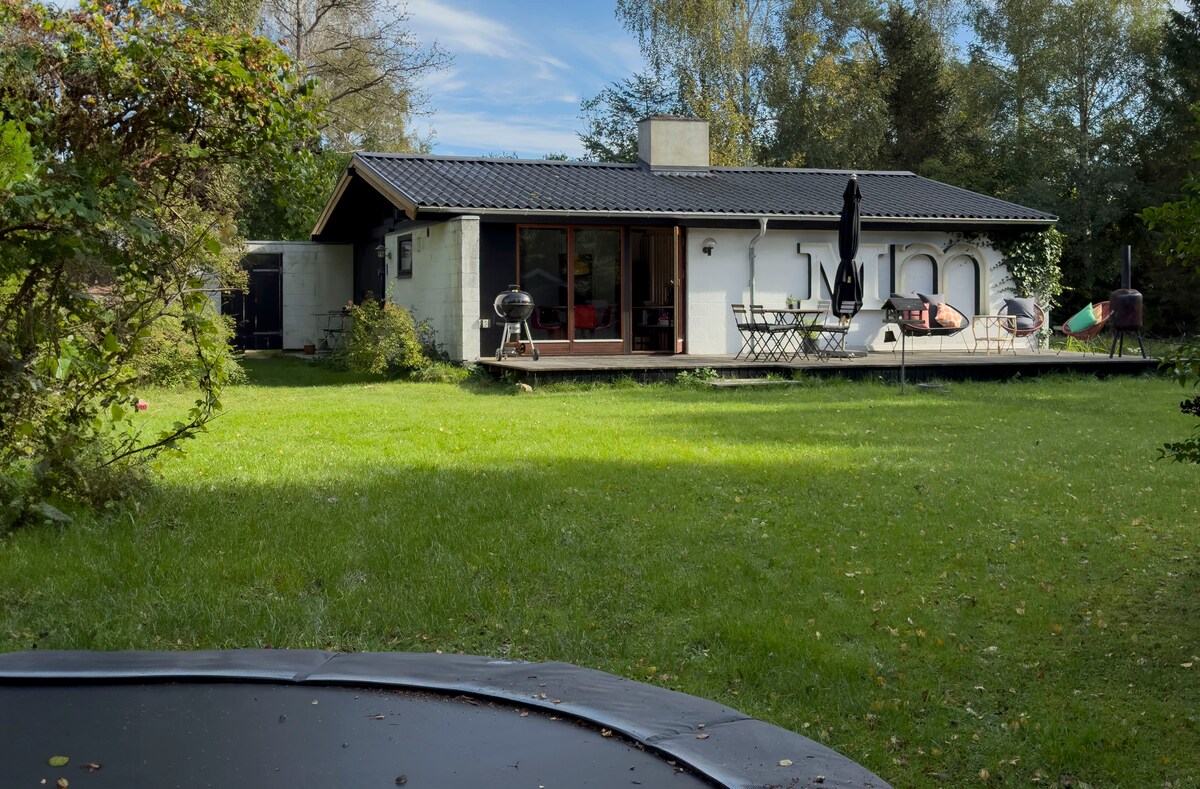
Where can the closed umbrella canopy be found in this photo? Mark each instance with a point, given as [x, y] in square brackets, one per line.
[847, 285]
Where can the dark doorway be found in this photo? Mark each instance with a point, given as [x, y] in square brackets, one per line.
[258, 311]
[369, 272]
[654, 274]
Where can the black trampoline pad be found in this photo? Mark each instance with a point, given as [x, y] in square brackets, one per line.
[235, 734]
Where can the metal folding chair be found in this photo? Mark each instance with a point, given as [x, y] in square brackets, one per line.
[777, 337]
[761, 339]
[745, 327]
[828, 339]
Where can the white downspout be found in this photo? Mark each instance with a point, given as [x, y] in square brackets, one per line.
[762, 231]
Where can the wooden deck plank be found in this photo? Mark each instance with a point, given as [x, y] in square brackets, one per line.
[919, 365]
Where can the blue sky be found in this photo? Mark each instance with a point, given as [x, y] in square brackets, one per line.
[520, 71]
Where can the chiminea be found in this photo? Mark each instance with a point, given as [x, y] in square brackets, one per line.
[1125, 307]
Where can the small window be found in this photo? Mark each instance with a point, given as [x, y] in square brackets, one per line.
[404, 248]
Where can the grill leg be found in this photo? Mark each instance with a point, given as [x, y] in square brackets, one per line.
[529, 337]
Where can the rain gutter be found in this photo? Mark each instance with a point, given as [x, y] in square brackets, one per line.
[575, 212]
[762, 231]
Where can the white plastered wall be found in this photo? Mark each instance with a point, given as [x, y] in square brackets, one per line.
[317, 278]
[791, 262]
[444, 286]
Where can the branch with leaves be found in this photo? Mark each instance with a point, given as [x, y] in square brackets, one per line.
[123, 129]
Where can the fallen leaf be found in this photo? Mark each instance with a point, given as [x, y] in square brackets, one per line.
[59, 761]
[785, 762]
[702, 736]
[62, 783]
[91, 767]
[606, 732]
[378, 717]
[401, 779]
[524, 713]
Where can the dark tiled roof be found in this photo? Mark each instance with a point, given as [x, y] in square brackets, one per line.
[483, 185]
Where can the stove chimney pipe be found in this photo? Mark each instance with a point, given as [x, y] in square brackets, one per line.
[1126, 267]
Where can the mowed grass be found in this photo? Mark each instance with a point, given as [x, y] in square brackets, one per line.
[990, 577]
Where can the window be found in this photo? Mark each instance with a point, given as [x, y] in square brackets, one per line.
[404, 253]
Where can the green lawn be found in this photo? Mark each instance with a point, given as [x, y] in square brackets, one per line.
[988, 577]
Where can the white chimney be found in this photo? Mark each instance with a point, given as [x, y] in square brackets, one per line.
[671, 142]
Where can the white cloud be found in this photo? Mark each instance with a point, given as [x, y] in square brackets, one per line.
[476, 133]
[442, 82]
[464, 31]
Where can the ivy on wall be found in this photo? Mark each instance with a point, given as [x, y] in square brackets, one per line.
[1032, 262]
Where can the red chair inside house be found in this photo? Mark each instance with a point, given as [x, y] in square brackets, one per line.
[549, 320]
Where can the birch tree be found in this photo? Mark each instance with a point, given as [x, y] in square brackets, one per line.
[717, 53]
[367, 63]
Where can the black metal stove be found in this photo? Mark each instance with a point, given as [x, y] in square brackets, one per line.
[1126, 309]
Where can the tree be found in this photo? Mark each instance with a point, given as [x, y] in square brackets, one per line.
[1068, 117]
[367, 64]
[1179, 223]
[122, 128]
[1096, 105]
[368, 67]
[917, 92]
[716, 54]
[612, 115]
[822, 91]
[1174, 88]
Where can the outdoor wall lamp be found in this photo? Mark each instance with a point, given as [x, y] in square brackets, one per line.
[381, 252]
[708, 245]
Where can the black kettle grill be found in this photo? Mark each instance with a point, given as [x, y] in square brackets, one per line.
[514, 306]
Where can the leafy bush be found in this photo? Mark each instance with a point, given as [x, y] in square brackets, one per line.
[167, 357]
[122, 130]
[1184, 366]
[382, 339]
[698, 377]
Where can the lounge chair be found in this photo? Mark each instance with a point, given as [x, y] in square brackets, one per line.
[1102, 312]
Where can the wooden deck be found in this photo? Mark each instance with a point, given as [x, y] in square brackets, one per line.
[919, 366]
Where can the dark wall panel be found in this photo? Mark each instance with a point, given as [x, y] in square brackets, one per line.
[497, 270]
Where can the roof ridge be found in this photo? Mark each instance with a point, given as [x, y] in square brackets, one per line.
[491, 160]
[810, 170]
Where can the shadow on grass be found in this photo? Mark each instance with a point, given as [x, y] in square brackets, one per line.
[721, 575]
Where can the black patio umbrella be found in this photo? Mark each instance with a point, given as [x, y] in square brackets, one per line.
[847, 284]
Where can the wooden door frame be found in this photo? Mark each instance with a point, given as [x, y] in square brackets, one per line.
[678, 240]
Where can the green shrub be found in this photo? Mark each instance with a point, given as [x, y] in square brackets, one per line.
[701, 376]
[167, 357]
[1184, 366]
[382, 339]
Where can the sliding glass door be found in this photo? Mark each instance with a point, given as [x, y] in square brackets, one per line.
[574, 277]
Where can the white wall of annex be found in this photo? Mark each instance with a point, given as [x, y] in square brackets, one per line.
[444, 286]
[317, 278]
